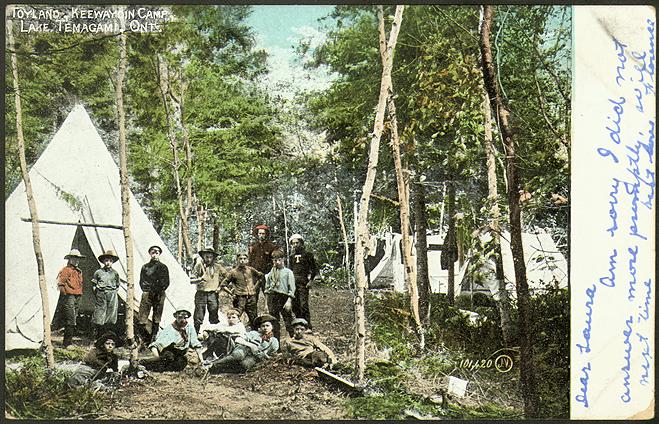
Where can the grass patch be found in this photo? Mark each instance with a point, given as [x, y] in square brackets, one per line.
[34, 392]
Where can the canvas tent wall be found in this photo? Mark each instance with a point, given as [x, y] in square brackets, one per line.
[74, 180]
[544, 263]
[545, 266]
[387, 270]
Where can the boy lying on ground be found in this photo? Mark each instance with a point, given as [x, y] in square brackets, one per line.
[221, 338]
[305, 349]
[254, 347]
[97, 362]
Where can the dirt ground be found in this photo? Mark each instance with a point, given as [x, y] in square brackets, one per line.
[274, 390]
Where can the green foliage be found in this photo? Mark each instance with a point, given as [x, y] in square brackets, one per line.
[34, 392]
[452, 337]
[550, 329]
[389, 406]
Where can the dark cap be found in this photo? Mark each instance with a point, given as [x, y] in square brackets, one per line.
[154, 247]
[182, 311]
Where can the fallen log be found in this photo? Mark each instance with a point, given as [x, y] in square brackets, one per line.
[339, 381]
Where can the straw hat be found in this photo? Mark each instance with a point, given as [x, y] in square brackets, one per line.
[109, 254]
[74, 253]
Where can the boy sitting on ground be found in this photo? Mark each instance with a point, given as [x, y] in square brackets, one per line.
[171, 345]
[254, 347]
[221, 338]
[306, 349]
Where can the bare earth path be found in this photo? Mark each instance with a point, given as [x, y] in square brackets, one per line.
[273, 390]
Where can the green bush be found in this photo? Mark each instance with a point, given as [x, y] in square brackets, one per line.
[449, 331]
[35, 392]
[550, 332]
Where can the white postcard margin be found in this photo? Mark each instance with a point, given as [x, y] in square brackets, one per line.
[613, 233]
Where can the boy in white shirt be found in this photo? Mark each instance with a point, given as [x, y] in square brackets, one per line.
[221, 337]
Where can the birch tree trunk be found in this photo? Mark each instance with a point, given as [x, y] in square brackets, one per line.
[32, 205]
[450, 243]
[179, 120]
[492, 198]
[216, 234]
[529, 388]
[165, 91]
[201, 223]
[402, 184]
[125, 198]
[179, 252]
[361, 234]
[346, 245]
[422, 275]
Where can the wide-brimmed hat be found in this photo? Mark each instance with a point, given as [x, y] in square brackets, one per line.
[155, 247]
[74, 253]
[300, 321]
[109, 254]
[263, 318]
[182, 311]
[295, 237]
[110, 335]
[208, 250]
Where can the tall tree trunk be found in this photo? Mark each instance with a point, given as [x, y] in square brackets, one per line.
[450, 243]
[493, 199]
[166, 93]
[32, 205]
[283, 209]
[179, 251]
[346, 245]
[179, 119]
[201, 223]
[361, 234]
[125, 197]
[402, 184]
[422, 275]
[216, 234]
[529, 388]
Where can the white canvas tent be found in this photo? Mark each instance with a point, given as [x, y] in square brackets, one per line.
[544, 264]
[74, 180]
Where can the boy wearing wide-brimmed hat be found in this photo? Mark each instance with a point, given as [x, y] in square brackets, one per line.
[207, 275]
[69, 282]
[254, 347]
[172, 343]
[306, 349]
[105, 283]
[154, 280]
[102, 357]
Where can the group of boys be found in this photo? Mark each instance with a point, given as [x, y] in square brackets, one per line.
[105, 283]
[230, 347]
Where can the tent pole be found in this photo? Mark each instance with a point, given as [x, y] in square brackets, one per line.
[82, 224]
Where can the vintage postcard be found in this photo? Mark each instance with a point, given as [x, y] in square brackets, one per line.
[319, 212]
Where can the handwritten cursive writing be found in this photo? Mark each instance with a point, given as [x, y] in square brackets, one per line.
[646, 360]
[583, 397]
[632, 272]
[590, 294]
[610, 280]
[626, 396]
[620, 49]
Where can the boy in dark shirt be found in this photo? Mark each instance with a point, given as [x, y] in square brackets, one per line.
[154, 280]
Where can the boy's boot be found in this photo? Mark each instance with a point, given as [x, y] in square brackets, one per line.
[155, 326]
[68, 336]
[143, 334]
